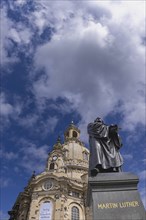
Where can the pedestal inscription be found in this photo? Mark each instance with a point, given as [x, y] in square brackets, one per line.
[114, 196]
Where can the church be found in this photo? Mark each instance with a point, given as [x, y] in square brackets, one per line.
[60, 191]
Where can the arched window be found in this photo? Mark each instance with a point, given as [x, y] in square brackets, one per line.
[74, 134]
[52, 166]
[46, 210]
[85, 156]
[67, 134]
[75, 213]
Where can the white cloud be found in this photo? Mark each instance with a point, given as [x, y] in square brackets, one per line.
[3, 216]
[20, 2]
[127, 156]
[33, 158]
[29, 121]
[34, 120]
[21, 34]
[6, 109]
[12, 32]
[39, 153]
[5, 43]
[51, 123]
[144, 161]
[8, 155]
[40, 20]
[4, 182]
[142, 175]
[95, 62]
[63, 108]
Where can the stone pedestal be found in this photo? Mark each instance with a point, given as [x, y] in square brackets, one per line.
[114, 196]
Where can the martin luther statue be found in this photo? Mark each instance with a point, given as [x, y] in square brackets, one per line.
[105, 143]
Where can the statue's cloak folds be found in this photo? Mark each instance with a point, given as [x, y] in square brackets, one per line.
[104, 146]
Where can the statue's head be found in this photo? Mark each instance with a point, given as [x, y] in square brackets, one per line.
[98, 120]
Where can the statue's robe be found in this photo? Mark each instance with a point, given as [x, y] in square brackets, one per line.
[104, 146]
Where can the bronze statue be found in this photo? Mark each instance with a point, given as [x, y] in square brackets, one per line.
[105, 143]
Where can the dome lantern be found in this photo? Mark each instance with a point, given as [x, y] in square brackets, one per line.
[72, 132]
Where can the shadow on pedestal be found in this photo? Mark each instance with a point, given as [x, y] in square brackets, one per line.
[114, 196]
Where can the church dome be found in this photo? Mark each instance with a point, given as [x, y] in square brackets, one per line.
[72, 154]
[61, 188]
[75, 149]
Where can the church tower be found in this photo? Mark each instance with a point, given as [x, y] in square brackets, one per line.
[58, 193]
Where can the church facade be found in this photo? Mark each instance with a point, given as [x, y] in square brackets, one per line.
[58, 193]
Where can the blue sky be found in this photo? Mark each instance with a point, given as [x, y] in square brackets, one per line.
[64, 61]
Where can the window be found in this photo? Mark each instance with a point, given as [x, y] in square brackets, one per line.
[67, 134]
[46, 210]
[75, 194]
[74, 134]
[85, 156]
[52, 166]
[48, 185]
[65, 170]
[74, 213]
